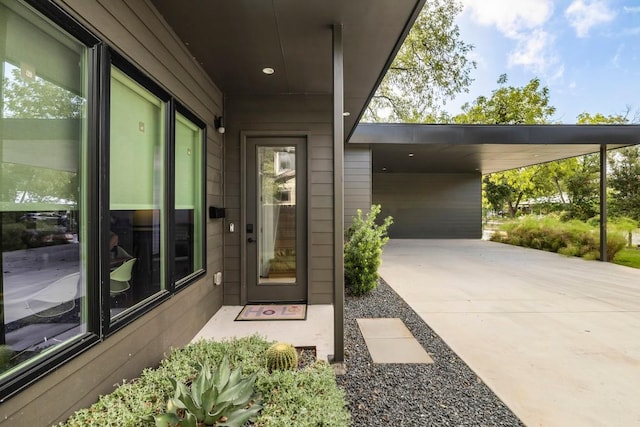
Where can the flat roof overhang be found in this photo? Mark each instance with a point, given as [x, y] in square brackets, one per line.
[444, 148]
[234, 40]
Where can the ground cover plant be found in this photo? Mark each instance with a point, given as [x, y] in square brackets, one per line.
[571, 238]
[299, 398]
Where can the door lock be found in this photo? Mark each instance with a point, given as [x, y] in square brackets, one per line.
[251, 240]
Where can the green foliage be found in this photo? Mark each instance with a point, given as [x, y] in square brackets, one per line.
[629, 257]
[302, 398]
[363, 251]
[281, 357]
[572, 238]
[431, 67]
[624, 182]
[6, 354]
[509, 105]
[316, 400]
[219, 398]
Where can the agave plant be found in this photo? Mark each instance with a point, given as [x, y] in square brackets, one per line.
[219, 398]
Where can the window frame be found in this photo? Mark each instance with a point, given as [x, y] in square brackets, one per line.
[31, 372]
[100, 58]
[184, 282]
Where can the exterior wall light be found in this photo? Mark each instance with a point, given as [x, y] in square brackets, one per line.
[219, 124]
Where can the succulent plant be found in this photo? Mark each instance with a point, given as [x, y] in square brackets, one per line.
[282, 356]
[219, 398]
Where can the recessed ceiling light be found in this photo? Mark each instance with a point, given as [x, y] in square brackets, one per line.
[384, 169]
[410, 154]
[346, 114]
[268, 70]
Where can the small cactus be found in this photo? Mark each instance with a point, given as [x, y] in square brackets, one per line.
[282, 356]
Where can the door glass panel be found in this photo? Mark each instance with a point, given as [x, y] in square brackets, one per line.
[276, 214]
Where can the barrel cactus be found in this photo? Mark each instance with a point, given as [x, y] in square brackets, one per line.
[282, 356]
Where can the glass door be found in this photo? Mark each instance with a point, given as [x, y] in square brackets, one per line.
[276, 219]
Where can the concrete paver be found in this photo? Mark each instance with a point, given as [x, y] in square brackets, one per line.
[556, 338]
[390, 341]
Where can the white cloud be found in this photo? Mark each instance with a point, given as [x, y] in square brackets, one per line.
[584, 15]
[508, 16]
[631, 9]
[532, 51]
[522, 21]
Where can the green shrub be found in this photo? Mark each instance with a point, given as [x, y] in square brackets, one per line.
[300, 398]
[571, 238]
[363, 251]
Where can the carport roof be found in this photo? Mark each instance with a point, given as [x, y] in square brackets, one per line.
[444, 148]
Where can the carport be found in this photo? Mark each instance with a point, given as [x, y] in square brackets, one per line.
[429, 177]
[556, 338]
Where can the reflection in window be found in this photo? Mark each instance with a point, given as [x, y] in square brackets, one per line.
[277, 216]
[136, 193]
[41, 176]
[188, 198]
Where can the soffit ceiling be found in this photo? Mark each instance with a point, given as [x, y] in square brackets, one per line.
[483, 149]
[235, 39]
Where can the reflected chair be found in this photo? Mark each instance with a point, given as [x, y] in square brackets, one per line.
[120, 278]
[55, 299]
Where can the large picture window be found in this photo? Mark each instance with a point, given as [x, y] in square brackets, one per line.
[43, 140]
[97, 225]
[137, 193]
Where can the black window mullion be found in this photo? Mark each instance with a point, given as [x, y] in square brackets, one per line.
[169, 200]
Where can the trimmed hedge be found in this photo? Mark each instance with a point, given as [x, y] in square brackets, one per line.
[299, 398]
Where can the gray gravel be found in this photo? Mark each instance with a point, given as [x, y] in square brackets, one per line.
[446, 393]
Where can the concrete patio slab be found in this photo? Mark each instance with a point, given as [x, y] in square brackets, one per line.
[556, 338]
[316, 330]
[389, 341]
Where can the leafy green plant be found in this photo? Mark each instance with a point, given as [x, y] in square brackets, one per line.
[308, 397]
[571, 238]
[363, 251]
[219, 398]
[281, 357]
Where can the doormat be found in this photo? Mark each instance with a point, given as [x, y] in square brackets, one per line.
[273, 312]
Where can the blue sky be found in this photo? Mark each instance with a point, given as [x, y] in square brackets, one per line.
[586, 51]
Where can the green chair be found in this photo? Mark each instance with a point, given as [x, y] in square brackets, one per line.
[120, 278]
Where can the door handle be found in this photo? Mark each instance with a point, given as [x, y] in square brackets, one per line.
[251, 240]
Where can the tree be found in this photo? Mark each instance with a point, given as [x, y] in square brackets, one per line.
[582, 188]
[509, 105]
[430, 68]
[624, 181]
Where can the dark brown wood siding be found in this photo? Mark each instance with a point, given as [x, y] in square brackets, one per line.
[431, 206]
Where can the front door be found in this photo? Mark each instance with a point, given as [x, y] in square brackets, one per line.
[276, 219]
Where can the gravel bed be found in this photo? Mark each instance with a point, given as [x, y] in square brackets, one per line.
[445, 393]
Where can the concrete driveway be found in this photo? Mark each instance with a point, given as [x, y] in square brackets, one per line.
[556, 338]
